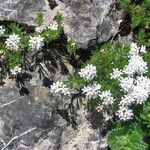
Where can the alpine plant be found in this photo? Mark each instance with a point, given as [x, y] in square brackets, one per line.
[132, 82]
[12, 42]
[59, 88]
[136, 86]
[36, 42]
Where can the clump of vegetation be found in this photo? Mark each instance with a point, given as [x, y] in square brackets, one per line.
[139, 13]
[115, 80]
[71, 47]
[112, 81]
[20, 47]
[39, 18]
[126, 138]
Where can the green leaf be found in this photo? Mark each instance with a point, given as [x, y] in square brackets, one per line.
[125, 139]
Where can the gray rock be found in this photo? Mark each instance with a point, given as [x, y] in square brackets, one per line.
[86, 22]
[91, 21]
[20, 10]
[37, 110]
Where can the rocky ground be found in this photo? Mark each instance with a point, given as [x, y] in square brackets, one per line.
[35, 116]
[33, 121]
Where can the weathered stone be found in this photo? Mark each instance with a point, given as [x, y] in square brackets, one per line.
[91, 21]
[38, 110]
[86, 22]
[20, 10]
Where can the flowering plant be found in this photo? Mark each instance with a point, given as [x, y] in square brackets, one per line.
[116, 80]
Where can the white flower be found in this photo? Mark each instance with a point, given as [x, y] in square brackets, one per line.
[127, 84]
[129, 70]
[2, 30]
[143, 82]
[143, 49]
[124, 113]
[107, 98]
[12, 42]
[59, 88]
[116, 74]
[36, 42]
[53, 25]
[127, 100]
[89, 72]
[92, 90]
[134, 49]
[39, 29]
[136, 65]
[140, 95]
[16, 70]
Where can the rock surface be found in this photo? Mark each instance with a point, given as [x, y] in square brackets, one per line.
[91, 21]
[86, 22]
[31, 122]
[34, 116]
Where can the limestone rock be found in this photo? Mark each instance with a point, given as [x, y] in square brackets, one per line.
[86, 22]
[91, 21]
[19, 114]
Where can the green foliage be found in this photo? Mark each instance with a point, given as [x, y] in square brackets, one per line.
[51, 35]
[145, 115]
[24, 42]
[126, 5]
[14, 58]
[39, 18]
[74, 81]
[105, 60]
[146, 57]
[140, 20]
[15, 28]
[59, 18]
[143, 38]
[71, 47]
[126, 138]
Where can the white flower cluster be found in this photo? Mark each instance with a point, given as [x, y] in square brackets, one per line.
[135, 86]
[137, 92]
[36, 42]
[92, 90]
[12, 42]
[39, 29]
[136, 62]
[2, 30]
[124, 113]
[116, 74]
[16, 70]
[136, 65]
[107, 98]
[127, 84]
[89, 72]
[134, 49]
[53, 25]
[59, 88]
